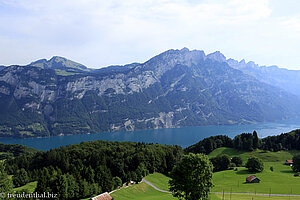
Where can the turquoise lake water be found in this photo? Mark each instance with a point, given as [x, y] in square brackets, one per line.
[184, 136]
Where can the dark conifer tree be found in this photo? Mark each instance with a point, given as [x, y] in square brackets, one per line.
[255, 140]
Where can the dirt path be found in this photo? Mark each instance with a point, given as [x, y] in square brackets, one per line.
[277, 195]
[155, 187]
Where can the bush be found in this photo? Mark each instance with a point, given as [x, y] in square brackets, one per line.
[237, 161]
[232, 165]
[255, 165]
[236, 169]
[220, 163]
[296, 163]
[297, 174]
[271, 168]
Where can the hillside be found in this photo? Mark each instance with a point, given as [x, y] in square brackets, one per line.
[279, 181]
[266, 156]
[144, 191]
[173, 89]
[93, 167]
[13, 150]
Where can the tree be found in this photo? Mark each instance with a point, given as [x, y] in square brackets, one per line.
[117, 182]
[62, 187]
[6, 184]
[84, 189]
[243, 142]
[72, 187]
[296, 163]
[191, 178]
[221, 162]
[255, 164]
[43, 184]
[237, 161]
[20, 178]
[255, 140]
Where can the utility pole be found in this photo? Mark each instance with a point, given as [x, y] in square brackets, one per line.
[223, 195]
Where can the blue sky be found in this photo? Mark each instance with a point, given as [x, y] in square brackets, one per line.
[98, 33]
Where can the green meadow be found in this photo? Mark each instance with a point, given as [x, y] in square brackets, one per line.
[141, 191]
[279, 181]
[159, 180]
[144, 191]
[29, 187]
[266, 156]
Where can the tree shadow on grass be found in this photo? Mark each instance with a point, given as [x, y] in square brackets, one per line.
[232, 151]
[244, 171]
[287, 171]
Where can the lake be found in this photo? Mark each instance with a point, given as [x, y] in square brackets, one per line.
[184, 136]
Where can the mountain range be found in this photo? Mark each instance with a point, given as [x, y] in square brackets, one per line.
[173, 89]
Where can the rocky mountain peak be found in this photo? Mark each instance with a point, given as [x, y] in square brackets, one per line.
[184, 50]
[58, 62]
[217, 56]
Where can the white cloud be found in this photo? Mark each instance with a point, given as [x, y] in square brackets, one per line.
[99, 33]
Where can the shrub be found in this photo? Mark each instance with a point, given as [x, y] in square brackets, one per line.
[255, 165]
[296, 163]
[237, 161]
[221, 162]
[232, 165]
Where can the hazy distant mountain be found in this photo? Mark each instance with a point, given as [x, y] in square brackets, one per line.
[288, 80]
[61, 65]
[173, 89]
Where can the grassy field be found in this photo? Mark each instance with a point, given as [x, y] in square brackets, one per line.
[251, 197]
[144, 191]
[267, 156]
[141, 191]
[30, 187]
[159, 180]
[279, 181]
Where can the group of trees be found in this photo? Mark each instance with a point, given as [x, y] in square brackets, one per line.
[89, 168]
[13, 150]
[224, 162]
[246, 141]
[6, 184]
[285, 141]
[209, 144]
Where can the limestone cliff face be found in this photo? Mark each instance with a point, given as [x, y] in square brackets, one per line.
[173, 89]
